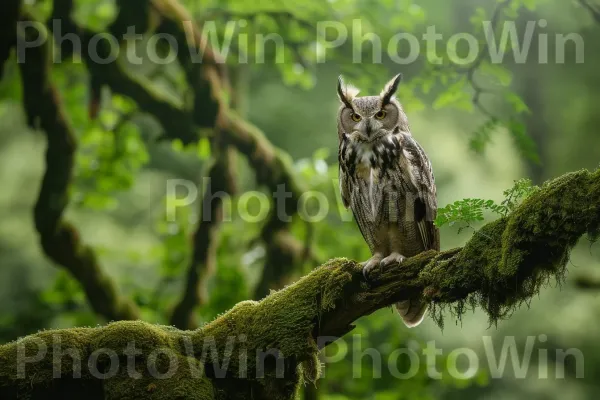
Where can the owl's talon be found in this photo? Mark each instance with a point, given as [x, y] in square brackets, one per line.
[394, 258]
[369, 265]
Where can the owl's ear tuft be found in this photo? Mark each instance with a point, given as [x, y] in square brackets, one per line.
[346, 92]
[390, 89]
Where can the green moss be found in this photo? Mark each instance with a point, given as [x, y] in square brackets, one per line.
[185, 384]
[507, 261]
[284, 320]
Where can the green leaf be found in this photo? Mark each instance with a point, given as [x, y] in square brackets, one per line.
[456, 95]
[482, 135]
[499, 73]
[122, 104]
[204, 149]
[516, 103]
[321, 154]
[177, 145]
[530, 4]
[523, 141]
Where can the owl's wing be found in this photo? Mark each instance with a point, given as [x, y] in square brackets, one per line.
[344, 186]
[423, 185]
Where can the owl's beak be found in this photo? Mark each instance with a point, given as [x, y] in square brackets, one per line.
[368, 127]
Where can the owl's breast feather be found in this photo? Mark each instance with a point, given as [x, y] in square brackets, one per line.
[363, 171]
[377, 155]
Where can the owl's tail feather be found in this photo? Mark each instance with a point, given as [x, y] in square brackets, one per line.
[412, 311]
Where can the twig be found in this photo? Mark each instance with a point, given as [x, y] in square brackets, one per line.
[470, 71]
[592, 9]
[587, 282]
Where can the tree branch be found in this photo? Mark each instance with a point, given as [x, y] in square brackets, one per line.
[211, 86]
[504, 265]
[592, 9]
[205, 240]
[478, 90]
[8, 30]
[59, 239]
[587, 282]
[273, 171]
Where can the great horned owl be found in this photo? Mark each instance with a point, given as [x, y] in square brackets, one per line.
[387, 181]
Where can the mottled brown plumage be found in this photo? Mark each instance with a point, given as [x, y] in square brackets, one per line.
[387, 181]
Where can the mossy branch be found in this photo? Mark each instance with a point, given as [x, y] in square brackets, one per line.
[503, 265]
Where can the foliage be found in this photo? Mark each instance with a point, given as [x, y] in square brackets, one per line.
[468, 211]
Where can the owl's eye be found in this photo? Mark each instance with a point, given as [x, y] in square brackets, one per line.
[380, 115]
[355, 117]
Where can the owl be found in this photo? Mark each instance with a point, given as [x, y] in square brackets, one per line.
[387, 181]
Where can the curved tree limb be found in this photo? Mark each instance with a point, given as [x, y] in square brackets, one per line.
[503, 265]
[210, 84]
[209, 80]
[59, 239]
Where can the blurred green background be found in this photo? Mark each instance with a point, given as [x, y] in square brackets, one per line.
[533, 120]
